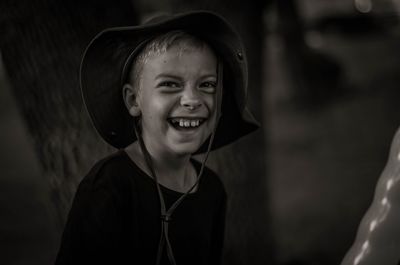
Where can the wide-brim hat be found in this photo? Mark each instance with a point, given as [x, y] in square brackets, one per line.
[106, 59]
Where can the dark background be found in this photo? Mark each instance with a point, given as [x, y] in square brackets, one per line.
[324, 81]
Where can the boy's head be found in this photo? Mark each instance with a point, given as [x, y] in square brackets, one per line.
[172, 89]
[105, 70]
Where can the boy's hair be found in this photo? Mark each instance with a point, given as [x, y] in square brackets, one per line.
[158, 46]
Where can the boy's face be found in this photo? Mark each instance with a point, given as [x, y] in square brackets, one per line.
[177, 100]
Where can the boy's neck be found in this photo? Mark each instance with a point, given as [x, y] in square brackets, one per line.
[174, 172]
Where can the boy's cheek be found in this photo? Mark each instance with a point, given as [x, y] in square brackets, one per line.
[211, 103]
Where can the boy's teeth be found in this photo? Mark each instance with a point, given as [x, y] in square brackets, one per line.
[186, 123]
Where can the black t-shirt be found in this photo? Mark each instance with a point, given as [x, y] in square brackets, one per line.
[115, 218]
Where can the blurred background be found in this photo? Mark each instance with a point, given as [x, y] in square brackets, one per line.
[324, 81]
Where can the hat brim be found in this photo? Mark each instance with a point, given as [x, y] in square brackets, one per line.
[103, 64]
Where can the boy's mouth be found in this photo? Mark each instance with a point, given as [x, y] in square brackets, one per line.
[186, 123]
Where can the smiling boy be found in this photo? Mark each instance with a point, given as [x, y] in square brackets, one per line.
[156, 93]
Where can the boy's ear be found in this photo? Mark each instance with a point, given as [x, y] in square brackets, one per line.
[130, 95]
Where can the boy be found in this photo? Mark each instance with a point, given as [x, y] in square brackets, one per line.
[159, 92]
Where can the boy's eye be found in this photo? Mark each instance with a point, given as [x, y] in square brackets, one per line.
[169, 86]
[208, 87]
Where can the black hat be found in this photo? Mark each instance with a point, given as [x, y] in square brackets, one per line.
[104, 66]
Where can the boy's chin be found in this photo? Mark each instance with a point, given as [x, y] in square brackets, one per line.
[187, 145]
[186, 149]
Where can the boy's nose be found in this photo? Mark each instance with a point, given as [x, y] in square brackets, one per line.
[190, 99]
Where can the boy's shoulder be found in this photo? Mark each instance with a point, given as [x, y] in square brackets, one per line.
[112, 169]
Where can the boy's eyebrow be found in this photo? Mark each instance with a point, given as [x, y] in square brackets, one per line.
[167, 76]
[180, 78]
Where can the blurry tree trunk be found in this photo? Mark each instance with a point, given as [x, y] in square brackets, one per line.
[242, 165]
[316, 77]
[42, 42]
